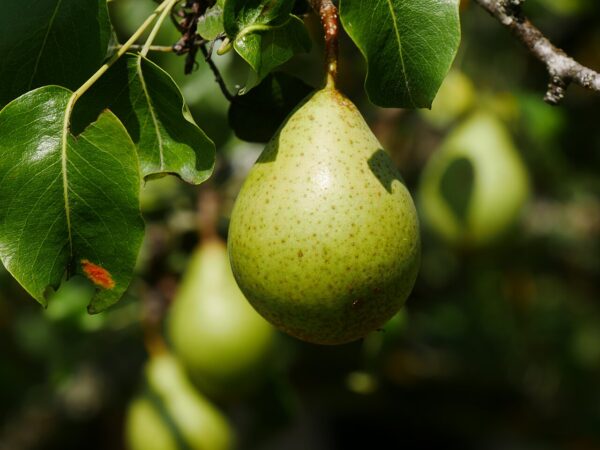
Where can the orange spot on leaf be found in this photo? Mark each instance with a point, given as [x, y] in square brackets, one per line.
[97, 274]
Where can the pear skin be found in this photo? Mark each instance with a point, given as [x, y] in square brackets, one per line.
[324, 236]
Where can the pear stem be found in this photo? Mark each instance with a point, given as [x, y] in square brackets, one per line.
[209, 206]
[328, 13]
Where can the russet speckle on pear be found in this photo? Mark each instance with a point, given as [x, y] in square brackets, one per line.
[324, 236]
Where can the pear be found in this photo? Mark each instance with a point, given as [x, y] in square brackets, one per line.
[324, 236]
[455, 97]
[221, 341]
[171, 415]
[474, 188]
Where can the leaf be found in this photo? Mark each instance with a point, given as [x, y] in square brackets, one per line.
[150, 105]
[266, 50]
[409, 46]
[256, 116]
[70, 204]
[50, 42]
[210, 24]
[240, 14]
[265, 34]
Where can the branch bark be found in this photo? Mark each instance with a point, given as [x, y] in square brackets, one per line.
[562, 69]
[328, 13]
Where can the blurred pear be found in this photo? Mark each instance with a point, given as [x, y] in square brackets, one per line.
[455, 98]
[222, 342]
[171, 415]
[473, 189]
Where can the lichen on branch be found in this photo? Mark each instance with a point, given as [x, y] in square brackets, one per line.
[562, 69]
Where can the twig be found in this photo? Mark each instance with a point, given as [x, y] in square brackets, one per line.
[152, 48]
[561, 68]
[215, 70]
[328, 13]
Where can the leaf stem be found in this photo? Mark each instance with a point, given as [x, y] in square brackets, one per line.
[328, 13]
[157, 25]
[152, 48]
[167, 4]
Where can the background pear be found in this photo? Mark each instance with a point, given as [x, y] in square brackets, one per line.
[221, 341]
[324, 236]
[170, 414]
[473, 189]
[455, 97]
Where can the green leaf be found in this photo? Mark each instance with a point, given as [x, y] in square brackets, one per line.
[266, 50]
[50, 42]
[409, 46]
[265, 34]
[210, 24]
[256, 116]
[70, 204]
[241, 14]
[150, 105]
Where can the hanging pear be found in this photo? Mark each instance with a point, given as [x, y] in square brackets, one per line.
[474, 188]
[221, 341]
[324, 236]
[170, 414]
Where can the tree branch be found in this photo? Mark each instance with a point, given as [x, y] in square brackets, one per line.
[328, 13]
[215, 70]
[561, 68]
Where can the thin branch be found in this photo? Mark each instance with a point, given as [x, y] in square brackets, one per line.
[152, 48]
[215, 70]
[561, 68]
[328, 13]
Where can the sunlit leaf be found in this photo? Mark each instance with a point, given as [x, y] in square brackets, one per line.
[150, 105]
[70, 204]
[409, 46]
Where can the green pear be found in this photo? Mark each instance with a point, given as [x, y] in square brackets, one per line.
[170, 414]
[218, 337]
[324, 236]
[473, 189]
[455, 97]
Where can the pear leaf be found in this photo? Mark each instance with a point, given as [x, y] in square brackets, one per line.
[265, 34]
[409, 46]
[70, 204]
[50, 42]
[240, 14]
[150, 105]
[210, 24]
[266, 50]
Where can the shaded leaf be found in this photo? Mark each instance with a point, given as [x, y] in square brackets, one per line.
[50, 42]
[150, 105]
[69, 203]
[210, 24]
[266, 50]
[240, 14]
[265, 34]
[256, 116]
[409, 46]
